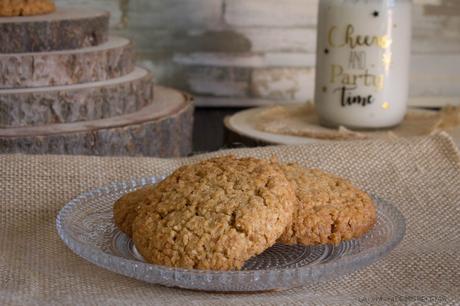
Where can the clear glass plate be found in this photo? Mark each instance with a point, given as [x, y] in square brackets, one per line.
[86, 225]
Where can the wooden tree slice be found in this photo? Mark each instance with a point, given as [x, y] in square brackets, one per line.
[66, 28]
[112, 59]
[242, 136]
[299, 124]
[241, 129]
[72, 103]
[163, 129]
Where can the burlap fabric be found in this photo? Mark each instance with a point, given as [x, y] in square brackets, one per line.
[421, 176]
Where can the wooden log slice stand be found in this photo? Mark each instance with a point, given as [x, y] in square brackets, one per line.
[163, 129]
[65, 88]
[241, 130]
[109, 60]
[66, 28]
[301, 127]
[72, 103]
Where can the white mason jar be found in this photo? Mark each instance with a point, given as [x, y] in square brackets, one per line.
[363, 58]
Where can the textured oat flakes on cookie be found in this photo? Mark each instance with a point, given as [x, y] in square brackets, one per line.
[214, 215]
[125, 209]
[11, 8]
[330, 209]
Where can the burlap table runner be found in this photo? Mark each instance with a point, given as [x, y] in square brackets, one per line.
[421, 176]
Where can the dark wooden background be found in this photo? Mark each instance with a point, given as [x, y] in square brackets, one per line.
[208, 133]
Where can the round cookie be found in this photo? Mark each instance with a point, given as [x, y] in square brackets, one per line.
[125, 209]
[214, 215]
[11, 8]
[330, 209]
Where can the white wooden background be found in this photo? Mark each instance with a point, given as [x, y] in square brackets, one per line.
[254, 52]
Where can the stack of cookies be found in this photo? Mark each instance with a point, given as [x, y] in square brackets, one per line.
[68, 87]
[218, 213]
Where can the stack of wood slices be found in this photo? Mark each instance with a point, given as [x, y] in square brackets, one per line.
[67, 87]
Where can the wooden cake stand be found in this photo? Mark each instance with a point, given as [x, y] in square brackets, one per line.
[67, 87]
[299, 124]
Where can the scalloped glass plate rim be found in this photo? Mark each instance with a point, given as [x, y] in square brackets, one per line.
[88, 252]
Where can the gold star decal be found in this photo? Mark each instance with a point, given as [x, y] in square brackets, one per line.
[384, 42]
[386, 60]
[386, 105]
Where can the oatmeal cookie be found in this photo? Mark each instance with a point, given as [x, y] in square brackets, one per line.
[125, 209]
[330, 209]
[214, 215]
[10, 8]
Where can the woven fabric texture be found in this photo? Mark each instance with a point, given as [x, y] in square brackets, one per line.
[421, 176]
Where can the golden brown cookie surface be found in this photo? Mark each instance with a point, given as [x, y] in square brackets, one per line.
[330, 209]
[10, 8]
[214, 215]
[125, 209]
